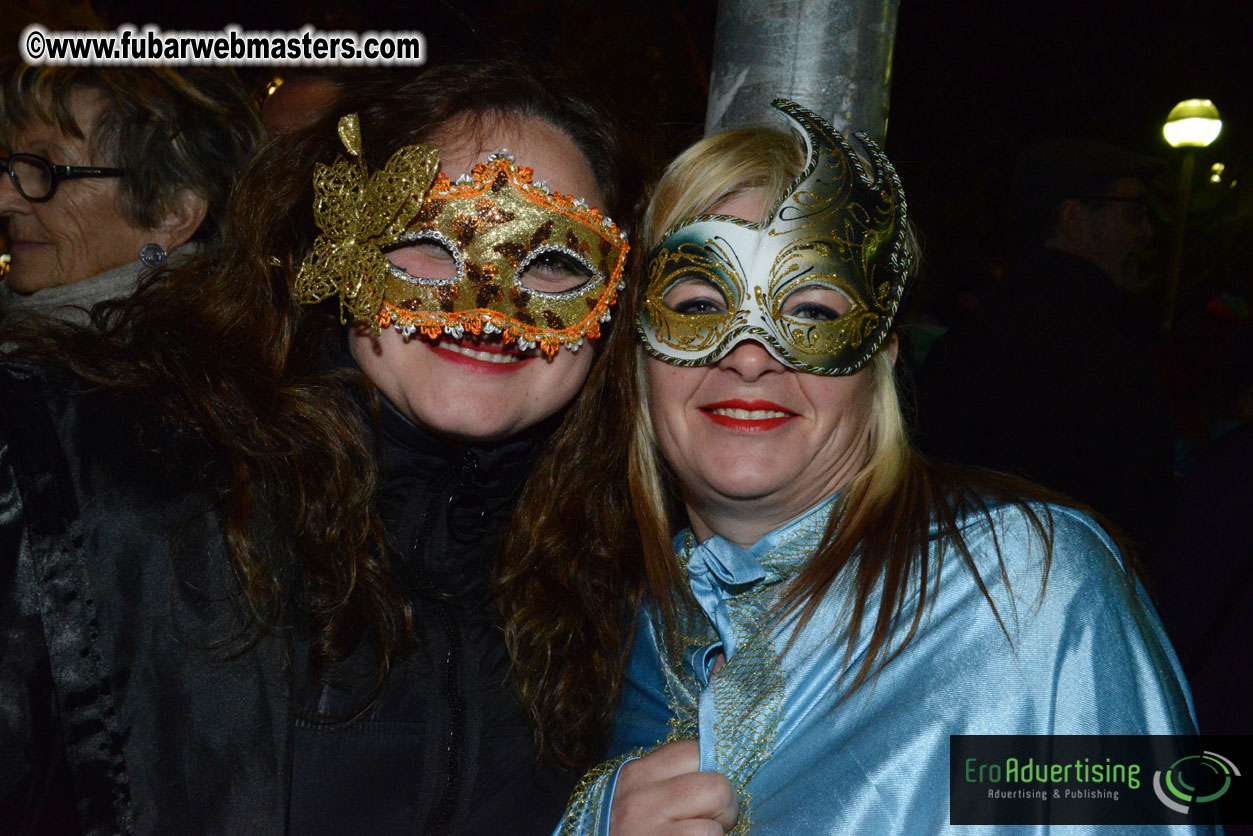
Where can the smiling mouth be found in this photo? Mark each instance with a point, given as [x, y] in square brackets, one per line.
[482, 355]
[486, 353]
[748, 415]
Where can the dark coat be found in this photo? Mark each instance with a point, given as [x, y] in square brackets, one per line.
[1204, 583]
[120, 709]
[1053, 384]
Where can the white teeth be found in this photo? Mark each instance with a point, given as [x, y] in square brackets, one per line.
[750, 415]
[486, 356]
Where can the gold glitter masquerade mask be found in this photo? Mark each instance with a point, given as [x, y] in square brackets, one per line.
[490, 253]
[818, 284]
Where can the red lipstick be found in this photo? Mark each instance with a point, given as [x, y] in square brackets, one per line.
[745, 415]
[482, 357]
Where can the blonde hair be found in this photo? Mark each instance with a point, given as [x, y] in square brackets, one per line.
[591, 537]
[882, 528]
[767, 160]
[719, 167]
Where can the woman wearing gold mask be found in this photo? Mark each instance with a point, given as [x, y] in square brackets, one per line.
[833, 606]
[249, 530]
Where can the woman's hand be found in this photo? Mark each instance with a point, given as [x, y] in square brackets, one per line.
[665, 794]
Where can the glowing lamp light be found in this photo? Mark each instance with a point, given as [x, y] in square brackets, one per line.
[1193, 123]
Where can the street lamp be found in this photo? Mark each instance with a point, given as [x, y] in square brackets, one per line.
[1192, 124]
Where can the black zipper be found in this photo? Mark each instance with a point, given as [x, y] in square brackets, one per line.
[450, 761]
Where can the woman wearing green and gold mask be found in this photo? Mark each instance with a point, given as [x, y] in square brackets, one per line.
[821, 606]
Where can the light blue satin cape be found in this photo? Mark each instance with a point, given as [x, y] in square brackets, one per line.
[1086, 656]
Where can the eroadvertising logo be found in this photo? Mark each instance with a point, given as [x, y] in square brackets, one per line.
[1210, 775]
[1099, 779]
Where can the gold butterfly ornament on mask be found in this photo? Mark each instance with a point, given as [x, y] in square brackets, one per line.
[492, 253]
[818, 283]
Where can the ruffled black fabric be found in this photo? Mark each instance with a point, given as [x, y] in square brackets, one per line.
[122, 709]
[447, 737]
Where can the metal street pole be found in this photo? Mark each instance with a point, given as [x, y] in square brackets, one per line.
[1183, 196]
[1191, 124]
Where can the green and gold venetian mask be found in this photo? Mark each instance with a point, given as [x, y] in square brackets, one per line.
[818, 283]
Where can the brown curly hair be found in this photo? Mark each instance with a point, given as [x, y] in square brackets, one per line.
[229, 368]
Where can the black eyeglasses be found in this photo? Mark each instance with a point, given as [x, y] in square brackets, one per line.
[36, 178]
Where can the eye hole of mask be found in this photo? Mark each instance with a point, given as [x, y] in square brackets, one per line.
[815, 303]
[553, 270]
[426, 258]
[695, 295]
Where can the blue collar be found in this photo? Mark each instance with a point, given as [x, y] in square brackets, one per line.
[772, 558]
[719, 570]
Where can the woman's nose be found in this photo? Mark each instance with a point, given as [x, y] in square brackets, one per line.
[750, 359]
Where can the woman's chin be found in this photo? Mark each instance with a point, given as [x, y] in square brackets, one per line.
[747, 489]
[34, 268]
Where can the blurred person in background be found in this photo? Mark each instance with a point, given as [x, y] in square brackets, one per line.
[1054, 381]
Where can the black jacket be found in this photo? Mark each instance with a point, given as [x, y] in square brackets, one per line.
[1055, 384]
[120, 711]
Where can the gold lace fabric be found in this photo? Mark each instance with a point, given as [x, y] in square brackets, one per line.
[359, 212]
[496, 222]
[748, 693]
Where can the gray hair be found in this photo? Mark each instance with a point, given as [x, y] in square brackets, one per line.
[169, 130]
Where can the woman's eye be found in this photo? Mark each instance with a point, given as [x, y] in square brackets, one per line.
[695, 296]
[424, 260]
[699, 306]
[813, 311]
[815, 303]
[554, 272]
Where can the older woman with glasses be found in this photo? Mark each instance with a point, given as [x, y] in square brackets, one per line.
[109, 173]
[823, 607]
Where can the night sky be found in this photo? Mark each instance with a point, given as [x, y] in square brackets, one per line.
[993, 73]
